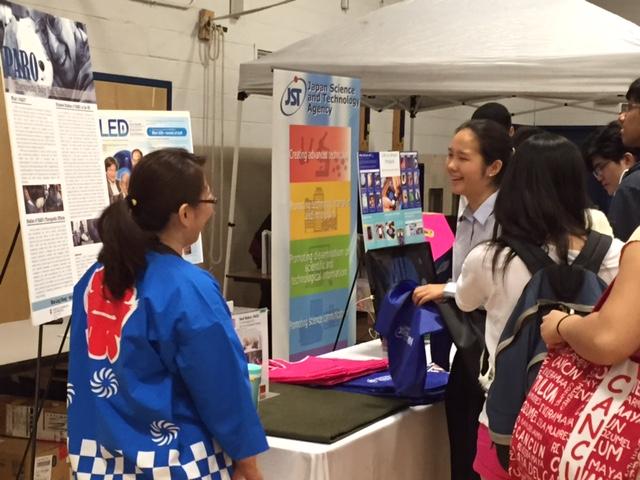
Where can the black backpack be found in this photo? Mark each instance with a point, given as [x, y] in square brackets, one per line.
[573, 288]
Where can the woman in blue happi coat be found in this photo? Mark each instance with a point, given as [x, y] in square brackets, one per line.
[158, 383]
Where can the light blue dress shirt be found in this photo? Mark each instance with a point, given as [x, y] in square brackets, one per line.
[473, 229]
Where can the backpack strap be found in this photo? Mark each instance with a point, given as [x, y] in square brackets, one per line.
[593, 251]
[533, 256]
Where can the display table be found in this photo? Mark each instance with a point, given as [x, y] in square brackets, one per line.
[412, 444]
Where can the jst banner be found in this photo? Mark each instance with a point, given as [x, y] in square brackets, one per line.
[314, 175]
[390, 200]
[127, 135]
[52, 127]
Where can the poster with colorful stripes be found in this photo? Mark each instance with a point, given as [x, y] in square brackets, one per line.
[314, 194]
[390, 201]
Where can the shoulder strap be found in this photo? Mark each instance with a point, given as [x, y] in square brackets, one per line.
[533, 256]
[593, 251]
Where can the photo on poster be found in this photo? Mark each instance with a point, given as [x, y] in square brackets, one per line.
[391, 194]
[85, 232]
[42, 198]
[251, 340]
[44, 55]
[129, 135]
[117, 178]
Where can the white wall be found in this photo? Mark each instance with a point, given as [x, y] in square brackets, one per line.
[129, 37]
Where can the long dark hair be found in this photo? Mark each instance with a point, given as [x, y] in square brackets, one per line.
[543, 197]
[161, 182]
[494, 142]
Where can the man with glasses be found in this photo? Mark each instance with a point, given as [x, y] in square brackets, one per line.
[627, 198]
[615, 167]
[630, 116]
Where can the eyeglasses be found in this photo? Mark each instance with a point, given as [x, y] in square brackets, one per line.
[597, 170]
[212, 200]
[628, 106]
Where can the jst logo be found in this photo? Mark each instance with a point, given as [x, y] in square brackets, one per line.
[293, 96]
[106, 318]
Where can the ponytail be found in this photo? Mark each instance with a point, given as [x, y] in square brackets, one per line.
[124, 245]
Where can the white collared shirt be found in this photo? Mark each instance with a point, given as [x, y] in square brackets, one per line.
[473, 228]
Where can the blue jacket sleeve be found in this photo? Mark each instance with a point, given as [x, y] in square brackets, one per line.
[213, 366]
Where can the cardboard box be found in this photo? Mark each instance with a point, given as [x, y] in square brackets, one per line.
[51, 460]
[15, 419]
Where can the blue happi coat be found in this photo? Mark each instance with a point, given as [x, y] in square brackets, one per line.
[158, 384]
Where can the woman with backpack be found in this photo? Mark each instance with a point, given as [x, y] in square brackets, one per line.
[478, 155]
[541, 202]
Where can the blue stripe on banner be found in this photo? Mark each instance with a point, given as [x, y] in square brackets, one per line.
[315, 320]
[51, 302]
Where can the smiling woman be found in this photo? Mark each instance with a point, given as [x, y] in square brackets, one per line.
[478, 154]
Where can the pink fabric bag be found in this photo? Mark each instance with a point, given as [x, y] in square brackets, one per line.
[322, 371]
[579, 421]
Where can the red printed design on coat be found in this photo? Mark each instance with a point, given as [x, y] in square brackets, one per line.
[106, 318]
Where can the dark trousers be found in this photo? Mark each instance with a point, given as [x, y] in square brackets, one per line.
[463, 402]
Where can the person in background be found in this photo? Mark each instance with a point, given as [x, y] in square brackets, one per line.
[630, 116]
[542, 202]
[617, 169]
[113, 185]
[478, 155]
[496, 112]
[158, 380]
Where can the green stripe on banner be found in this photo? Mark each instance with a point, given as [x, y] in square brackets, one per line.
[319, 265]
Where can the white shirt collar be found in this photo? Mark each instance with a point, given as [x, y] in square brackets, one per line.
[483, 212]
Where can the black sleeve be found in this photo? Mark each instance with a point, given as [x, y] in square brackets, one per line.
[624, 211]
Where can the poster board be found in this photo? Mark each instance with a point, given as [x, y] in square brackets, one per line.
[52, 131]
[128, 135]
[14, 293]
[390, 199]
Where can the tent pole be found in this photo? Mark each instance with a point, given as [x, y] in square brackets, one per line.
[412, 119]
[413, 103]
[232, 195]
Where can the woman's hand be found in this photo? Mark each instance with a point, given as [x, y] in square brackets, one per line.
[549, 328]
[428, 293]
[246, 469]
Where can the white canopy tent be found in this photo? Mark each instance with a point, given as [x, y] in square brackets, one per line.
[425, 54]
[445, 52]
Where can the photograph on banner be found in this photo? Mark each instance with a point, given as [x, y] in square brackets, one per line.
[390, 202]
[55, 152]
[44, 55]
[127, 135]
[316, 120]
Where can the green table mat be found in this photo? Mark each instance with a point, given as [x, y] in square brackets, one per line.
[321, 415]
